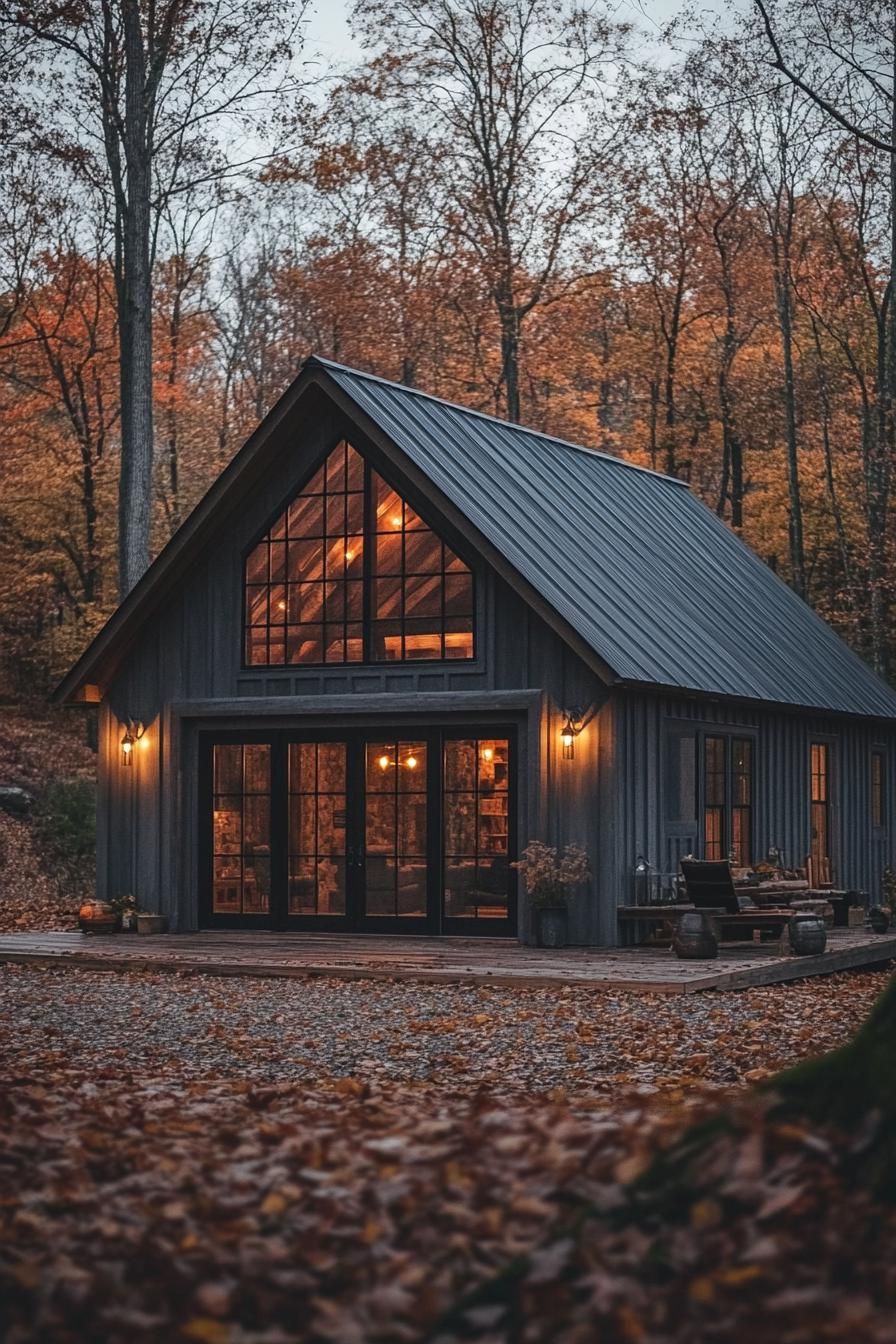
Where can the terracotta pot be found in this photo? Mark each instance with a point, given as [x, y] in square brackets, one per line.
[99, 917]
[695, 937]
[808, 935]
[551, 925]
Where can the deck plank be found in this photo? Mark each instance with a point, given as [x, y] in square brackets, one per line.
[442, 961]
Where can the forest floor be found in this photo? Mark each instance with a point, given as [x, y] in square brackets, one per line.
[36, 749]
[261, 1162]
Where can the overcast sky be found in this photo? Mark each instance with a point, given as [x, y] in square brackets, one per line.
[329, 37]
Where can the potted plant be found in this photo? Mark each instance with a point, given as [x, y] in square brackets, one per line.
[126, 906]
[549, 876]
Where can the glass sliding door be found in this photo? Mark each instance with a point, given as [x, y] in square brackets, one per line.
[317, 829]
[241, 830]
[389, 831]
[477, 817]
[396, 827]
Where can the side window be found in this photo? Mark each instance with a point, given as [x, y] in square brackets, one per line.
[741, 799]
[681, 776]
[709, 787]
[820, 800]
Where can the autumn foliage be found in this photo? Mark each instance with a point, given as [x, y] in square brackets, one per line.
[679, 262]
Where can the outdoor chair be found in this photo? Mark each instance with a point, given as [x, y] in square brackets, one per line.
[709, 885]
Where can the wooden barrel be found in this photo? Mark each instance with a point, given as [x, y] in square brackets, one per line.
[808, 935]
[695, 937]
[98, 917]
[879, 919]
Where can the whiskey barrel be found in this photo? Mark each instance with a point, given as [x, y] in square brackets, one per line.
[808, 935]
[879, 919]
[695, 938]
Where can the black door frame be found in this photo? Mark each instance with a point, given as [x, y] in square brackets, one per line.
[354, 920]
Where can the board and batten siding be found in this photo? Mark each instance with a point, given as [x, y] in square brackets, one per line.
[189, 652]
[781, 786]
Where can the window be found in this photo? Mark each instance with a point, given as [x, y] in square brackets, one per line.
[727, 798]
[349, 573]
[819, 768]
[709, 775]
[877, 789]
[741, 799]
[681, 777]
[714, 798]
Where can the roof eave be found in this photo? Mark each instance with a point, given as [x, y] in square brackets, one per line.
[631, 686]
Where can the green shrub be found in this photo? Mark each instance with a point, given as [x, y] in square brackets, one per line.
[65, 830]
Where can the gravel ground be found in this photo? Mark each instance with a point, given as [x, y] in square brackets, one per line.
[538, 1042]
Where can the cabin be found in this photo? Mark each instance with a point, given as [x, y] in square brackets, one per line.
[398, 639]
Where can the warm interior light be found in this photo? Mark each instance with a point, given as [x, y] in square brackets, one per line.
[396, 520]
[127, 743]
[281, 606]
[349, 556]
[487, 753]
[411, 762]
[384, 762]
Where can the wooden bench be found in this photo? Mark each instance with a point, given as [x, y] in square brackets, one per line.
[733, 928]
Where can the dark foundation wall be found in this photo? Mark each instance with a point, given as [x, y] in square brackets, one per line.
[781, 804]
[190, 654]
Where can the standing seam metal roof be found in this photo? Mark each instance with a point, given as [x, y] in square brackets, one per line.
[658, 586]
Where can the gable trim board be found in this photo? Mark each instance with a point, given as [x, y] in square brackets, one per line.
[629, 568]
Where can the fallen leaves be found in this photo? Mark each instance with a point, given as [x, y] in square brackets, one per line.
[159, 1182]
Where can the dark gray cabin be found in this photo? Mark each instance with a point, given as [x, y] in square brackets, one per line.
[335, 700]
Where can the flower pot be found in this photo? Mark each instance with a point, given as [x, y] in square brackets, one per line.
[879, 919]
[551, 925]
[808, 935]
[151, 923]
[695, 937]
[98, 917]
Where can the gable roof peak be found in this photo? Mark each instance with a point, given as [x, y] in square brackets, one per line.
[318, 361]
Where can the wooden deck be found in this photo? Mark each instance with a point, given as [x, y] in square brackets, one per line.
[480, 961]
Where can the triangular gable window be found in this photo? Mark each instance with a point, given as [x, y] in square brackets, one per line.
[349, 573]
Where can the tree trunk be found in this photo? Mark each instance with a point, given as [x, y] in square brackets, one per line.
[784, 305]
[510, 360]
[135, 482]
[173, 445]
[672, 338]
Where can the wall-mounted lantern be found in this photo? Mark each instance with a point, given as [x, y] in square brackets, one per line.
[572, 726]
[133, 733]
[642, 872]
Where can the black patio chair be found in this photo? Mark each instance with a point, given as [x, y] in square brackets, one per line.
[709, 886]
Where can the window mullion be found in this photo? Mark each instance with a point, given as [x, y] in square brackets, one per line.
[367, 566]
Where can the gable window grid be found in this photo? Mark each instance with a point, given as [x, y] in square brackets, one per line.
[344, 573]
